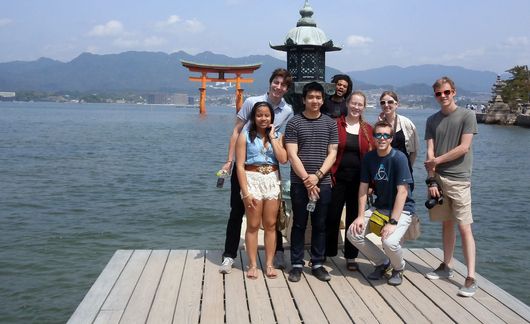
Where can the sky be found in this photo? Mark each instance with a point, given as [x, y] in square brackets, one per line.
[484, 35]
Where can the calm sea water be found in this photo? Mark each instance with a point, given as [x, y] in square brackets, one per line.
[78, 182]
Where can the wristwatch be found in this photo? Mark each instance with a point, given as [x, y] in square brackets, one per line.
[392, 221]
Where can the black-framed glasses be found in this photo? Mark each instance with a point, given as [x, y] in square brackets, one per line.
[445, 92]
[382, 136]
[384, 102]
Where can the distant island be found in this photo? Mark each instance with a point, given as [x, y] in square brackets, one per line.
[137, 77]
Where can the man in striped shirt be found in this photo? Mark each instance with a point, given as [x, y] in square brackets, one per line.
[311, 140]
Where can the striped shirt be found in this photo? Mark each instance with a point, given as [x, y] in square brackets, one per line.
[313, 137]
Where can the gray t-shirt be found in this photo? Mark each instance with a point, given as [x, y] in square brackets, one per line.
[446, 131]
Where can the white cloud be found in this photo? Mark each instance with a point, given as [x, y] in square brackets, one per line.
[170, 21]
[175, 24]
[516, 41]
[194, 26]
[111, 28]
[357, 41]
[5, 22]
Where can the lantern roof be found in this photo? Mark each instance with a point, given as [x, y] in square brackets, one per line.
[306, 33]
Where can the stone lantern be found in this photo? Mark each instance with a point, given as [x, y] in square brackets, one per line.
[306, 46]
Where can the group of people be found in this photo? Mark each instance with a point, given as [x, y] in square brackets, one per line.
[338, 159]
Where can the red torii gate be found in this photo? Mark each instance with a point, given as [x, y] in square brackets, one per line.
[221, 70]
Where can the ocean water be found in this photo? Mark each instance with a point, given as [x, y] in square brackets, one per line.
[79, 181]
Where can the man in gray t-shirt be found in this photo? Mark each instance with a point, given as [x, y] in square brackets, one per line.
[449, 135]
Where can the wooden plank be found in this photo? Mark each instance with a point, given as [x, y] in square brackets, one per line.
[306, 302]
[451, 286]
[212, 309]
[165, 299]
[259, 304]
[330, 305]
[415, 273]
[235, 294]
[404, 308]
[89, 307]
[114, 306]
[521, 309]
[349, 298]
[189, 299]
[137, 309]
[371, 298]
[281, 298]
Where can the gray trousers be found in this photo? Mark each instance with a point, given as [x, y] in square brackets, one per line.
[391, 246]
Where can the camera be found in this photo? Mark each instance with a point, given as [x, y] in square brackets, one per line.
[433, 201]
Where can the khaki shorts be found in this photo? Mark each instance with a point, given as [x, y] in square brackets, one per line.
[457, 202]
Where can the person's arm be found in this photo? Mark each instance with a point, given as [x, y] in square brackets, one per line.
[232, 144]
[278, 146]
[296, 163]
[241, 156]
[432, 191]
[416, 144]
[429, 157]
[357, 225]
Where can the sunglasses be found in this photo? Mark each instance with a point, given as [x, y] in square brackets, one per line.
[390, 102]
[382, 136]
[446, 92]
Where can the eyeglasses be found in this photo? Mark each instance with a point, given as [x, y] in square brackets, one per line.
[390, 102]
[446, 92]
[382, 136]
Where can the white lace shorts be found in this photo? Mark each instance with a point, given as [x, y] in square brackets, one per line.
[263, 186]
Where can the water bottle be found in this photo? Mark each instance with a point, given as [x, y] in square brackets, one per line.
[311, 204]
[222, 175]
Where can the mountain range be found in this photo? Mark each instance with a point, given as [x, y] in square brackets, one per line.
[162, 72]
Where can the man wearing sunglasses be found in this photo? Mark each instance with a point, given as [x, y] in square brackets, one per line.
[449, 134]
[388, 169]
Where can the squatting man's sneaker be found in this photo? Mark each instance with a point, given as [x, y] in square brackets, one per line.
[396, 278]
[442, 272]
[379, 271]
[469, 288]
[226, 266]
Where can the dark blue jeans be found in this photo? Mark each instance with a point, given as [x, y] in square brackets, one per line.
[299, 200]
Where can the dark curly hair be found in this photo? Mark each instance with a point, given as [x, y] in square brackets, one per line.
[252, 129]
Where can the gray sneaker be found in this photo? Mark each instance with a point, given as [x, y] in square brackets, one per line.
[379, 271]
[226, 266]
[279, 260]
[442, 272]
[396, 278]
[469, 288]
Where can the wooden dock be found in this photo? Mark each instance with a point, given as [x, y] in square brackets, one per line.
[184, 286]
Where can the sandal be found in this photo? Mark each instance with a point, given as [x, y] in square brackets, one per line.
[271, 272]
[252, 272]
[352, 265]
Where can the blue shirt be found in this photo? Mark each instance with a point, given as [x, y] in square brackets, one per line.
[387, 173]
[282, 112]
[257, 153]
